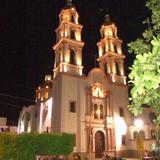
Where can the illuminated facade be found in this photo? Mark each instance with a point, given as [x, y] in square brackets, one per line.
[94, 107]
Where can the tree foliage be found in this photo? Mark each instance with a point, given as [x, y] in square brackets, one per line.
[7, 146]
[145, 71]
[28, 146]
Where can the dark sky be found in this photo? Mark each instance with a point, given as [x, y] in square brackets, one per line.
[27, 36]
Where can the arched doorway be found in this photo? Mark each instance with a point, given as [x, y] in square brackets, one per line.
[99, 144]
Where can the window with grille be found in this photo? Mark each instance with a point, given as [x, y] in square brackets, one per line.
[121, 112]
[73, 107]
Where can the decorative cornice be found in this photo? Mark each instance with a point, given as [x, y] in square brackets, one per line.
[69, 23]
[67, 40]
[110, 54]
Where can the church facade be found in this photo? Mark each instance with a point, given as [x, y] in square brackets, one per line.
[94, 107]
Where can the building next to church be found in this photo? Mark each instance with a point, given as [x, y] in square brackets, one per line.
[94, 107]
[5, 127]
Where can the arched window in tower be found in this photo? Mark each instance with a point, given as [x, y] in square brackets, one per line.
[72, 57]
[115, 48]
[72, 18]
[96, 111]
[72, 34]
[105, 69]
[117, 68]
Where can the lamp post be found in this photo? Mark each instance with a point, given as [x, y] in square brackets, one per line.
[138, 123]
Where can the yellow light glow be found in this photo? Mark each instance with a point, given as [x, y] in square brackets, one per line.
[41, 98]
[124, 81]
[76, 20]
[21, 127]
[108, 32]
[48, 78]
[113, 78]
[47, 87]
[78, 36]
[121, 70]
[119, 50]
[67, 56]
[80, 71]
[78, 61]
[98, 112]
[66, 17]
[100, 51]
[29, 128]
[46, 95]
[65, 33]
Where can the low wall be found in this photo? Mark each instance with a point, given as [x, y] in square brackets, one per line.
[52, 157]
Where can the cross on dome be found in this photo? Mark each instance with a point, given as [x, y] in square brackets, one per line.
[107, 19]
[69, 2]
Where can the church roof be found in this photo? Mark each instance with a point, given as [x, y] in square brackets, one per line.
[96, 72]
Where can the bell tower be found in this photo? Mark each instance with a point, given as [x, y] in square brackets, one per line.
[111, 58]
[68, 47]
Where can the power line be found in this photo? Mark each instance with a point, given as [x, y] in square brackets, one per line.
[9, 104]
[20, 86]
[15, 97]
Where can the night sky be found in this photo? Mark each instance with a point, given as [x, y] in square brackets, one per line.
[27, 36]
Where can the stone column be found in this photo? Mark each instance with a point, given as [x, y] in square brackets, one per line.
[121, 66]
[113, 66]
[108, 66]
[66, 52]
[111, 46]
[106, 46]
[78, 35]
[100, 48]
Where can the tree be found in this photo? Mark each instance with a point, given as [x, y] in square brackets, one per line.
[28, 146]
[145, 71]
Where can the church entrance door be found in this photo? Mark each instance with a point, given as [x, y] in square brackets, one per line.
[99, 144]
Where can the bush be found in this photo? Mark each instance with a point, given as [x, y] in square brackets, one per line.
[28, 146]
[7, 146]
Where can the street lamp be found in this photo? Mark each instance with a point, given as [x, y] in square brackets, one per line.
[139, 137]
